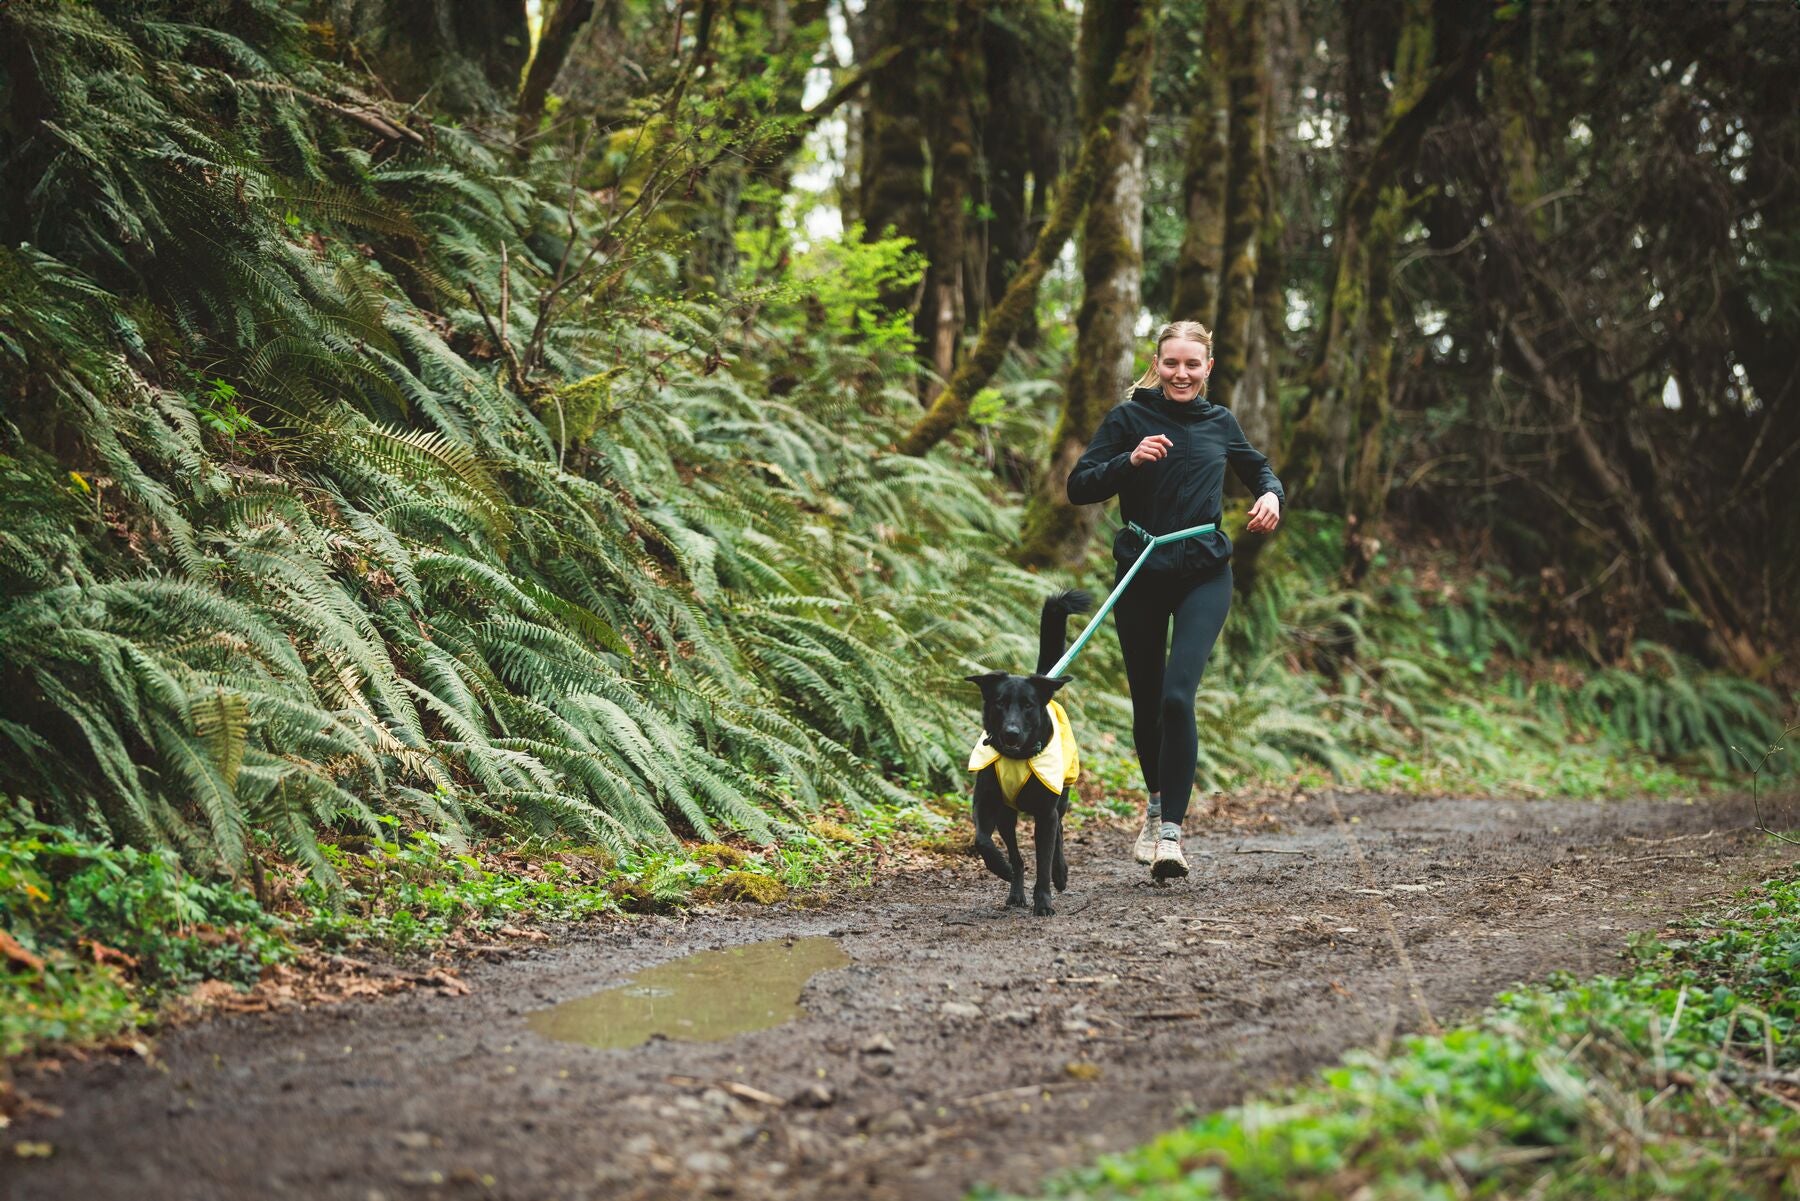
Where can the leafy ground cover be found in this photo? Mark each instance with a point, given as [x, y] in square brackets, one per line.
[97, 940]
[1680, 1076]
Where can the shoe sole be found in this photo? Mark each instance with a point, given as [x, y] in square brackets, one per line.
[1168, 869]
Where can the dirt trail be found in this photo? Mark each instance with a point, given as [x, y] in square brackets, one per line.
[1284, 950]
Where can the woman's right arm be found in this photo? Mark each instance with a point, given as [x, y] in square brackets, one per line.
[1102, 468]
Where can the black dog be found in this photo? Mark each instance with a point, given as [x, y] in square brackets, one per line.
[1026, 761]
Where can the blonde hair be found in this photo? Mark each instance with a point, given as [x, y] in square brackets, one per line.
[1193, 331]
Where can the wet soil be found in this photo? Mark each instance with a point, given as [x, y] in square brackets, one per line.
[963, 1042]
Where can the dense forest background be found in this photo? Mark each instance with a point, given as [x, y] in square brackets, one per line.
[618, 419]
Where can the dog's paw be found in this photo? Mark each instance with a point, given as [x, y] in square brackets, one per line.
[1015, 899]
[1043, 909]
[1060, 877]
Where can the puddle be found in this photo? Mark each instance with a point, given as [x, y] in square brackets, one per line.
[703, 997]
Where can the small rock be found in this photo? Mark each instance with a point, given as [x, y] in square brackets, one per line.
[814, 1096]
[638, 1146]
[1018, 1017]
[413, 1140]
[879, 1044]
[718, 1098]
[959, 1009]
[894, 1121]
[706, 1163]
[881, 1067]
[740, 1135]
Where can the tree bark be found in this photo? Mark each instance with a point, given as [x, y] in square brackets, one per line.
[1334, 458]
[564, 25]
[1015, 309]
[1725, 643]
[1248, 88]
[951, 90]
[893, 199]
[1199, 261]
[1118, 39]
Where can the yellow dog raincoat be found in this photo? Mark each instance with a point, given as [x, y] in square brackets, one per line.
[1056, 767]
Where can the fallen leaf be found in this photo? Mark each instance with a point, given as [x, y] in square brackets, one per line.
[105, 954]
[447, 983]
[25, 1150]
[11, 948]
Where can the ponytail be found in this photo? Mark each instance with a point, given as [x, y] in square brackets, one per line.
[1193, 331]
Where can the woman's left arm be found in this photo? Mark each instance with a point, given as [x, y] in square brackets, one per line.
[1252, 467]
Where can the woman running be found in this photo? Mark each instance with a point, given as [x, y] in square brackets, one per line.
[1163, 454]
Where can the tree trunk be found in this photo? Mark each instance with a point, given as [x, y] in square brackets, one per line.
[565, 23]
[950, 91]
[1198, 262]
[1725, 643]
[1015, 309]
[1117, 52]
[1027, 124]
[893, 199]
[1248, 87]
[1334, 459]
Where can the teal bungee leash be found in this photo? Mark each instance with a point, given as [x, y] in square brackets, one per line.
[1151, 542]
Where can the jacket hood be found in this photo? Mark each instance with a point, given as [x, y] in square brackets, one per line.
[1173, 409]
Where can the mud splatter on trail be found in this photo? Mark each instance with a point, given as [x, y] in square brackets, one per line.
[962, 1043]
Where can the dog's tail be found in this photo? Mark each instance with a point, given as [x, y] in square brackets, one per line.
[1053, 628]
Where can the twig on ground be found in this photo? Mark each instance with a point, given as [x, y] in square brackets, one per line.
[1023, 1090]
[1657, 842]
[1267, 851]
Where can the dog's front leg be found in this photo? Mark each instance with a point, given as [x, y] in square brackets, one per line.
[1059, 875]
[1046, 833]
[987, 808]
[1009, 834]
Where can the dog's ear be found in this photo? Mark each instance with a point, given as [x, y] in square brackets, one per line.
[986, 681]
[1047, 686]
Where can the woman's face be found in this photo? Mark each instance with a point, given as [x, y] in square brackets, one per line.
[1183, 366]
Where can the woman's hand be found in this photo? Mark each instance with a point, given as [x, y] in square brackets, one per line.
[1265, 514]
[1150, 450]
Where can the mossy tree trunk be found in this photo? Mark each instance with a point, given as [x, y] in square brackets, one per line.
[1244, 201]
[1117, 51]
[1335, 457]
[892, 194]
[1014, 312]
[951, 89]
[1028, 123]
[1198, 262]
[560, 30]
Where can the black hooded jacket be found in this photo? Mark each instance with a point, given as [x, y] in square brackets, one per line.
[1184, 488]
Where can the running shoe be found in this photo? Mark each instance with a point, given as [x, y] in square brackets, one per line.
[1144, 849]
[1169, 863]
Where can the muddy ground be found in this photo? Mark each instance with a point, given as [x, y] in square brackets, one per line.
[1283, 950]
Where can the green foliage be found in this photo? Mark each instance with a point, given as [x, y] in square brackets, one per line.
[116, 929]
[1648, 1084]
[330, 569]
[415, 893]
[838, 283]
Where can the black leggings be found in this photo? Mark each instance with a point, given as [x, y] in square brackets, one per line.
[1163, 686]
